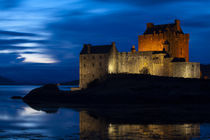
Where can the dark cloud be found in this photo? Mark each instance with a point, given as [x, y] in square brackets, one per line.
[149, 2]
[4, 42]
[13, 33]
[8, 59]
[197, 22]
[7, 4]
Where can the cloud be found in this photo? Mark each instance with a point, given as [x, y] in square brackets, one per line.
[198, 22]
[149, 2]
[36, 58]
[25, 50]
[8, 59]
[21, 42]
[8, 4]
[14, 33]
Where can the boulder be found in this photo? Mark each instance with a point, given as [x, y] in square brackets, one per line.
[49, 92]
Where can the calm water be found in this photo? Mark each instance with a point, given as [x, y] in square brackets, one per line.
[19, 121]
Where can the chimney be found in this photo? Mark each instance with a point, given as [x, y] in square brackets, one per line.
[150, 25]
[85, 45]
[113, 44]
[88, 48]
[177, 23]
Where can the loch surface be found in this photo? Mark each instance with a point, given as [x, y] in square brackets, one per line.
[20, 121]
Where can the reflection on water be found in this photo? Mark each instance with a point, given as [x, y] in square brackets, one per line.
[95, 128]
[27, 111]
[20, 121]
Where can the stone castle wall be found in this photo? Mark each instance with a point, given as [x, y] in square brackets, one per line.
[184, 69]
[134, 62]
[92, 66]
[177, 45]
[96, 66]
[169, 37]
[143, 63]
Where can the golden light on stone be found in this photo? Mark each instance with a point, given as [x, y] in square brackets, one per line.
[162, 51]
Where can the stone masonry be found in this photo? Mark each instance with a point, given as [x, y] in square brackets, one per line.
[163, 50]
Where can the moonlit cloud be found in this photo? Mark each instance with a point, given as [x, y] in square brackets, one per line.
[27, 45]
[37, 58]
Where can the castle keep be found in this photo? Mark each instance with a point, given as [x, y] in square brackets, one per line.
[168, 37]
[163, 50]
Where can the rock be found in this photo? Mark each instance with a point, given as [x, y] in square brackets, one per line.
[47, 92]
[53, 87]
[16, 97]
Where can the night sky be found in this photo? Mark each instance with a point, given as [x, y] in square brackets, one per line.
[40, 40]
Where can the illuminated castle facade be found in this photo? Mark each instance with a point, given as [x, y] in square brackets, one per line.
[163, 50]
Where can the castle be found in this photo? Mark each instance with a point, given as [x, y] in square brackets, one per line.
[163, 50]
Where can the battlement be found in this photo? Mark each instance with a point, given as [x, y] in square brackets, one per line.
[157, 29]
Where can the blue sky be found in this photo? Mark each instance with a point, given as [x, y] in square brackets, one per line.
[40, 40]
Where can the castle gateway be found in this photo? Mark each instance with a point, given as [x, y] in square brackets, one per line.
[163, 50]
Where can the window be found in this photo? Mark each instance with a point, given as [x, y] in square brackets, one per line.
[181, 51]
[84, 57]
[155, 58]
[93, 64]
[100, 64]
[84, 65]
[93, 75]
[93, 57]
[100, 57]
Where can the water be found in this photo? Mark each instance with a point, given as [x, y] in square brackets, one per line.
[19, 121]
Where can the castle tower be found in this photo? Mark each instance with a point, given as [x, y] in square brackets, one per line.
[96, 62]
[168, 37]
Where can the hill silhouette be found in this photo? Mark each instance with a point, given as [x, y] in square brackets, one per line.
[5, 81]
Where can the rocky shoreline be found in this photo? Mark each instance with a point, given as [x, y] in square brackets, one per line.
[141, 98]
[129, 89]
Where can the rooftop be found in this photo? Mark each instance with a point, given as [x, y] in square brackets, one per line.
[173, 27]
[96, 49]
